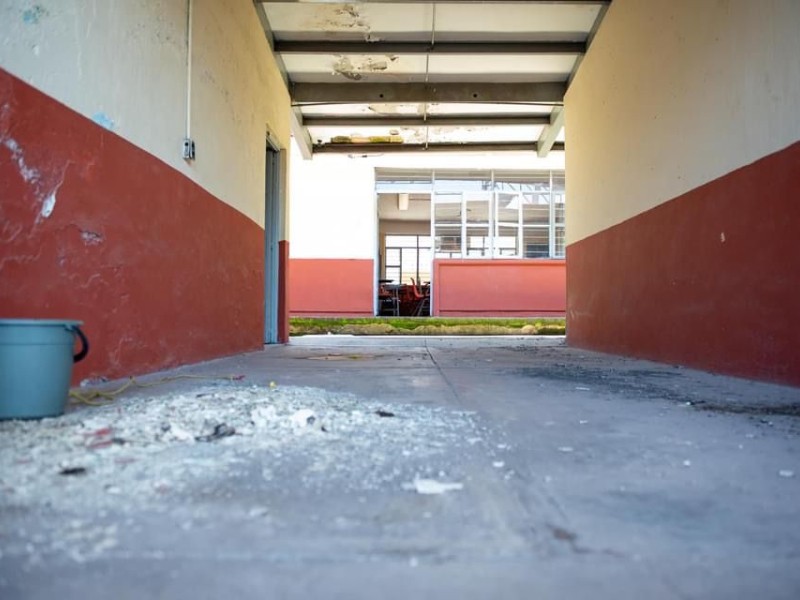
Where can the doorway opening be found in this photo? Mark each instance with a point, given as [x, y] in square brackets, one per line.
[272, 230]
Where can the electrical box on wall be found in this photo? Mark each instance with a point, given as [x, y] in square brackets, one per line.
[188, 149]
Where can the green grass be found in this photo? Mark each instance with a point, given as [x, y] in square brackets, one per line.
[426, 326]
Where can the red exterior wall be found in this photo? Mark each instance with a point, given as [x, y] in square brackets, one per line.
[283, 291]
[162, 272]
[331, 287]
[710, 279]
[499, 287]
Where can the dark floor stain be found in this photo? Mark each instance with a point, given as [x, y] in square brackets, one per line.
[563, 535]
[784, 410]
[636, 384]
[649, 384]
[340, 357]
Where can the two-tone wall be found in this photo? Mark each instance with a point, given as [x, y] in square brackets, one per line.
[101, 218]
[334, 236]
[683, 182]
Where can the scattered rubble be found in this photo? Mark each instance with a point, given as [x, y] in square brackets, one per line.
[220, 431]
[145, 449]
[432, 486]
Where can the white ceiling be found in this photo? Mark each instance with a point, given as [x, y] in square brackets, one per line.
[475, 66]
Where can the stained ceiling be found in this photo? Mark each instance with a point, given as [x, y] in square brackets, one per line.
[413, 76]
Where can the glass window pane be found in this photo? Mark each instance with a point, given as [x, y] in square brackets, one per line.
[463, 181]
[448, 241]
[425, 265]
[559, 183]
[507, 207]
[392, 256]
[409, 265]
[560, 213]
[477, 210]
[393, 273]
[522, 181]
[506, 241]
[536, 242]
[559, 196]
[560, 242]
[447, 208]
[536, 209]
[478, 241]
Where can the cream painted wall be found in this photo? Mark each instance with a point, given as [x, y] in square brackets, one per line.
[333, 202]
[123, 64]
[673, 94]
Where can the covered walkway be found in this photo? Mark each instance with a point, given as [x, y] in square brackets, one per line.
[412, 468]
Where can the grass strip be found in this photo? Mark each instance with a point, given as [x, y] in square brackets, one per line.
[426, 326]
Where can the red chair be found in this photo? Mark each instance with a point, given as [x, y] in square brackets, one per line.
[419, 300]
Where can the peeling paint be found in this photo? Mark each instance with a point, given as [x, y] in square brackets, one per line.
[354, 69]
[91, 238]
[48, 205]
[343, 17]
[396, 109]
[33, 15]
[29, 174]
[103, 120]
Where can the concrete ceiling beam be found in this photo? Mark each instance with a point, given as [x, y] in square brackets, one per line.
[566, 2]
[470, 48]
[549, 135]
[349, 93]
[432, 121]
[440, 147]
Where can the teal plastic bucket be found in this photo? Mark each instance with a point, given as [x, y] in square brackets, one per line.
[36, 358]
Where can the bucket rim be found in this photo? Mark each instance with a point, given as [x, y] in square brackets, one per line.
[42, 322]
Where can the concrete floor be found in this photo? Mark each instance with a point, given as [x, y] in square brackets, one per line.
[594, 477]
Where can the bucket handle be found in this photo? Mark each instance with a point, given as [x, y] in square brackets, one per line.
[84, 343]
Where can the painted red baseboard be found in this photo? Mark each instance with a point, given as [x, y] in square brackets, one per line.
[478, 287]
[331, 287]
[94, 228]
[283, 291]
[710, 279]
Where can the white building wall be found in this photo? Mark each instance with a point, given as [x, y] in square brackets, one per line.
[332, 204]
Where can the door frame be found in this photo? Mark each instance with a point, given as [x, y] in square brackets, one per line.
[273, 221]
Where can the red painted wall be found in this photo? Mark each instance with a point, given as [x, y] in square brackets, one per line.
[331, 287]
[710, 279]
[283, 291]
[499, 287]
[162, 272]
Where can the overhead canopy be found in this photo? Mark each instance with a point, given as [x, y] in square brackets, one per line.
[409, 76]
